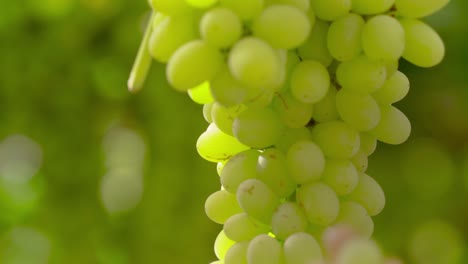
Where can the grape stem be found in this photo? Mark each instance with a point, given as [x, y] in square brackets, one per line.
[142, 62]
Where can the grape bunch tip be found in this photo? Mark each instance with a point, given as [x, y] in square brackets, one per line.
[297, 93]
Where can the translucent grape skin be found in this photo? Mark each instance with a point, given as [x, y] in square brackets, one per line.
[237, 254]
[302, 247]
[393, 90]
[287, 220]
[192, 64]
[325, 109]
[423, 46]
[360, 251]
[282, 26]
[264, 249]
[319, 202]
[371, 7]
[221, 27]
[341, 176]
[254, 62]
[258, 128]
[238, 169]
[360, 111]
[241, 227]
[383, 38]
[257, 199]
[418, 8]
[315, 47]
[361, 75]
[369, 194]
[273, 171]
[221, 205]
[201, 94]
[345, 32]
[336, 139]
[309, 81]
[245, 9]
[226, 90]
[224, 117]
[222, 245]
[394, 127]
[355, 216]
[330, 9]
[306, 162]
[293, 113]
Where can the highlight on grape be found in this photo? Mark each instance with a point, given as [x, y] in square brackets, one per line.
[297, 93]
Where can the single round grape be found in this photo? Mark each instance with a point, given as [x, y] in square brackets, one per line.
[419, 8]
[221, 205]
[193, 64]
[257, 199]
[336, 139]
[302, 247]
[309, 81]
[361, 75]
[221, 27]
[345, 32]
[293, 113]
[273, 171]
[242, 227]
[360, 111]
[283, 26]
[423, 46]
[320, 203]
[306, 162]
[238, 169]
[368, 143]
[341, 175]
[222, 245]
[394, 127]
[264, 249]
[254, 62]
[355, 216]
[360, 251]
[369, 194]
[393, 90]
[258, 128]
[330, 9]
[237, 254]
[287, 220]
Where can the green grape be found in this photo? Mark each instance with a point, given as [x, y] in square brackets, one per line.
[273, 171]
[436, 242]
[224, 117]
[221, 205]
[330, 9]
[325, 109]
[423, 46]
[336, 139]
[360, 111]
[291, 136]
[238, 169]
[201, 3]
[360, 251]
[245, 9]
[282, 26]
[254, 62]
[222, 245]
[260, 100]
[360, 161]
[383, 38]
[264, 249]
[258, 128]
[303, 5]
[393, 90]
[368, 143]
[418, 8]
[392, 68]
[309, 81]
[361, 75]
[340, 175]
[226, 90]
[287, 220]
[207, 112]
[201, 94]
[355, 216]
[306, 162]
[193, 64]
[293, 113]
[170, 7]
[320, 203]
[220, 167]
[427, 168]
[237, 254]
[241, 227]
[315, 46]
[257, 199]
[300, 248]
[345, 32]
[221, 27]
[214, 145]
[170, 34]
[371, 7]
[369, 194]
[394, 127]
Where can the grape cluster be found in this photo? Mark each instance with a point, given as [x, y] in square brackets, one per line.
[297, 94]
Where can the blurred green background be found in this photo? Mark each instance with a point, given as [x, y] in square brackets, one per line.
[92, 174]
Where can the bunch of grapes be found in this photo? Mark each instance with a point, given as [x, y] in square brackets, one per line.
[297, 94]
